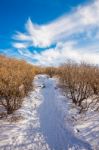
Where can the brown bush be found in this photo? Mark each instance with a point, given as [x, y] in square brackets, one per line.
[79, 81]
[51, 71]
[15, 81]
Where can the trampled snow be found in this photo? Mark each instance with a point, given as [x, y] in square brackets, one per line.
[48, 122]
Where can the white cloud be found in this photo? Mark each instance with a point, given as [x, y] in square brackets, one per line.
[19, 45]
[85, 20]
[21, 36]
[25, 53]
[64, 51]
[78, 21]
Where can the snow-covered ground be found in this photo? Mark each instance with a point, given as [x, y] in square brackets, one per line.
[48, 122]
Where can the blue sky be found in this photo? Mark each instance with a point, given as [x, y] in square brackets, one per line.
[47, 32]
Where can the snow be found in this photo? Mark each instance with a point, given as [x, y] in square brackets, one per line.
[49, 122]
[85, 124]
[88, 126]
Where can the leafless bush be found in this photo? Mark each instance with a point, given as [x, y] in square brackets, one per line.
[79, 81]
[16, 78]
[51, 71]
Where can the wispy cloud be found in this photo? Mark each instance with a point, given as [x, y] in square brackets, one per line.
[20, 45]
[80, 24]
[64, 51]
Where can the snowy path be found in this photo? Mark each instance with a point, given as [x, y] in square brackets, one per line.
[43, 126]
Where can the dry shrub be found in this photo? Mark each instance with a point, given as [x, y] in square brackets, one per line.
[15, 81]
[79, 81]
[51, 71]
[40, 70]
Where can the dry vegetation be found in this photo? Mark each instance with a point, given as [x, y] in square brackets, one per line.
[79, 82]
[51, 71]
[16, 78]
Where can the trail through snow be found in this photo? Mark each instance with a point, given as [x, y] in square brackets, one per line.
[44, 125]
